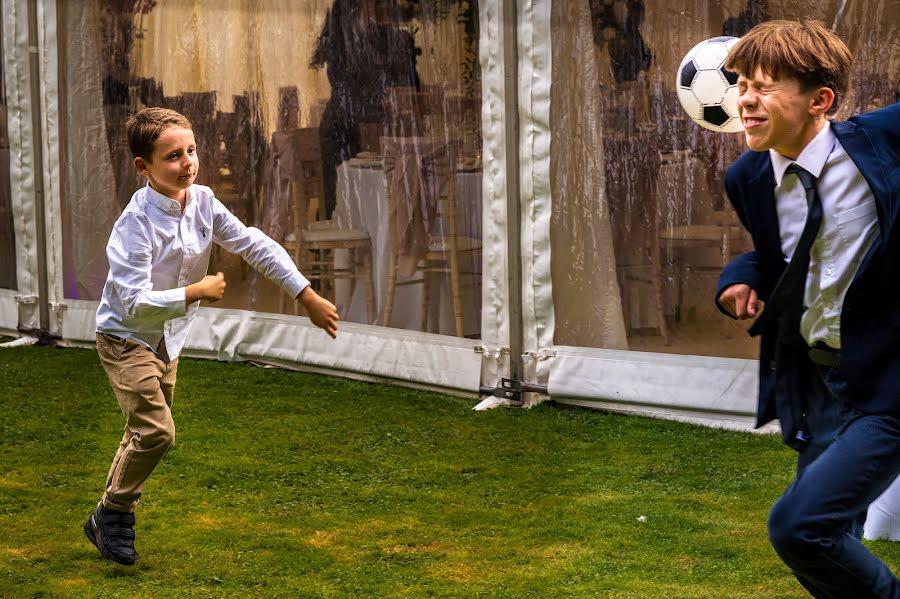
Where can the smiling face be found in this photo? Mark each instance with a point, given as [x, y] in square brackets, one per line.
[174, 164]
[778, 114]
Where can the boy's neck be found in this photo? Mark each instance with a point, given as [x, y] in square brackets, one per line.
[810, 134]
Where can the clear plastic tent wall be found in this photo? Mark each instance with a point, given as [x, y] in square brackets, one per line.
[639, 225]
[553, 125]
[348, 131]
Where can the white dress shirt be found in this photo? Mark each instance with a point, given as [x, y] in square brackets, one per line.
[849, 227]
[155, 252]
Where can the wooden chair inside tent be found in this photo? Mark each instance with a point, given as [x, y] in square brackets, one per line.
[697, 232]
[313, 242]
[405, 111]
[425, 237]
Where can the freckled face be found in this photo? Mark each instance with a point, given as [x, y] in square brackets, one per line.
[174, 164]
[776, 113]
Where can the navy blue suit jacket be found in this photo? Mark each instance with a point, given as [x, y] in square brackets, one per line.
[870, 316]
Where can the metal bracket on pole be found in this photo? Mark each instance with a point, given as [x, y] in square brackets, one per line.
[28, 326]
[512, 390]
[57, 311]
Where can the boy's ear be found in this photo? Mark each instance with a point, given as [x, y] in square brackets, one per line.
[140, 164]
[822, 101]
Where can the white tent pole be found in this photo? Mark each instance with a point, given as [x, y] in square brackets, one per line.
[34, 68]
[514, 224]
[501, 331]
[534, 77]
[19, 307]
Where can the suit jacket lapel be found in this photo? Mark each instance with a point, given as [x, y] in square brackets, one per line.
[761, 207]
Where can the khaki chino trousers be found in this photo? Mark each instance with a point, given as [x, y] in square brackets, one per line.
[144, 385]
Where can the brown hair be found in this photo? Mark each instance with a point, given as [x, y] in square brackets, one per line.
[145, 127]
[803, 50]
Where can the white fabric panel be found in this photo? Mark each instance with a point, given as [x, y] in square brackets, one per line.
[49, 96]
[21, 168]
[79, 321]
[705, 390]
[360, 350]
[9, 312]
[495, 280]
[535, 75]
[431, 360]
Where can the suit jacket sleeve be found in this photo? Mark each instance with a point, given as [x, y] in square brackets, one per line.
[746, 268]
[743, 269]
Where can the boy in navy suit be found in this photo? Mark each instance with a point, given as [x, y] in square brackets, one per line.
[820, 199]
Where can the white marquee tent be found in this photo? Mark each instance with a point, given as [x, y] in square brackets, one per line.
[597, 204]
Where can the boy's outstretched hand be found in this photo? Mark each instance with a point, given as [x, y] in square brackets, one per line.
[321, 312]
[210, 288]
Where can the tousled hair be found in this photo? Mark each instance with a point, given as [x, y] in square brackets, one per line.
[144, 128]
[803, 50]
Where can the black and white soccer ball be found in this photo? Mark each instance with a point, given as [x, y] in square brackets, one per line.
[706, 89]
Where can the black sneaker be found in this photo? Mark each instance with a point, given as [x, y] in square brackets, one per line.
[113, 534]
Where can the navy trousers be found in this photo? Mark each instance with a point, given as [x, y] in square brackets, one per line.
[816, 525]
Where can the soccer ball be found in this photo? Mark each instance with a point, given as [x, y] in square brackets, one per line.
[706, 90]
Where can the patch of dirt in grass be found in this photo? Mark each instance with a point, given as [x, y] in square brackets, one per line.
[412, 549]
[560, 552]
[459, 571]
[322, 538]
[73, 583]
[207, 521]
[382, 526]
[685, 562]
[599, 497]
[336, 544]
[7, 483]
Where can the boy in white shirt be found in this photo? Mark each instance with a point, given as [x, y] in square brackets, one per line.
[158, 259]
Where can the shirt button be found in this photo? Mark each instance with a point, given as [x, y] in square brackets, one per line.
[828, 271]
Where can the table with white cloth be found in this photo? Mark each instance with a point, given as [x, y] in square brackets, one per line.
[362, 203]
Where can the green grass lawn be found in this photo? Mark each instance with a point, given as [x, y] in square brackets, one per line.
[293, 485]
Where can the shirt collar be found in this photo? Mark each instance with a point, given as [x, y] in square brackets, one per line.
[812, 158]
[165, 203]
